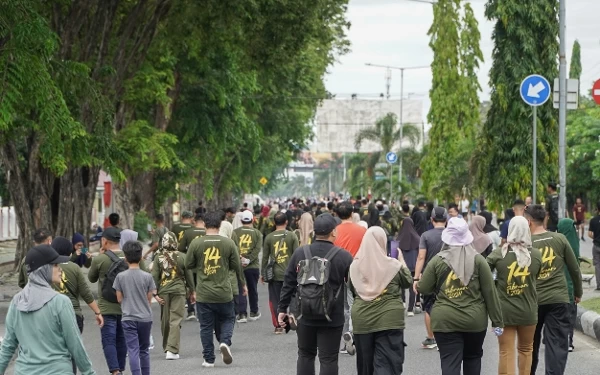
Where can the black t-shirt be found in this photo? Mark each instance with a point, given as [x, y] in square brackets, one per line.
[421, 220]
[339, 268]
[595, 228]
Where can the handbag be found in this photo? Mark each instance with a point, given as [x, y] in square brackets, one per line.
[270, 268]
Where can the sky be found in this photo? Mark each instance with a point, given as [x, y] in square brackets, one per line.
[394, 32]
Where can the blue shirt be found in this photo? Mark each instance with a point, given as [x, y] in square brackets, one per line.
[504, 229]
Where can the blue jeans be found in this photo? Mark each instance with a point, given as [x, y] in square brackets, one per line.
[113, 343]
[209, 315]
[137, 337]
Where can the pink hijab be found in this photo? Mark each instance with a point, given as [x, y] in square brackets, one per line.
[372, 270]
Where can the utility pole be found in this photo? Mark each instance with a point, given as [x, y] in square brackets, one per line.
[562, 109]
[400, 120]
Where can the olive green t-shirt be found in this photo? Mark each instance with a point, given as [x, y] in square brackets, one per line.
[279, 248]
[158, 234]
[212, 256]
[516, 286]
[461, 308]
[98, 270]
[250, 245]
[178, 229]
[188, 236]
[178, 280]
[73, 285]
[556, 254]
[384, 312]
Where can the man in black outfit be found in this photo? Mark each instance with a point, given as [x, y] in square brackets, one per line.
[314, 335]
[420, 218]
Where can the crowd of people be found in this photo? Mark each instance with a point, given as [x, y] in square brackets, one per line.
[344, 275]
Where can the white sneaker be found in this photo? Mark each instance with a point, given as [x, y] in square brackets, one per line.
[349, 343]
[226, 354]
[172, 356]
[151, 343]
[410, 313]
[206, 364]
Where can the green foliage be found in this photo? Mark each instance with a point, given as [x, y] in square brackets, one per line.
[140, 225]
[583, 152]
[526, 32]
[454, 112]
[575, 67]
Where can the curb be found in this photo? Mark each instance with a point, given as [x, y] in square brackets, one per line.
[588, 322]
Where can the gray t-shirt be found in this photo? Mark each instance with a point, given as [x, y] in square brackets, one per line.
[135, 285]
[432, 242]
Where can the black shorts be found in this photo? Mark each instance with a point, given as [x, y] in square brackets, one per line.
[427, 301]
[579, 222]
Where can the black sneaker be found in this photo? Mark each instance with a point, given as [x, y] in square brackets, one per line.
[429, 343]
[242, 318]
[254, 316]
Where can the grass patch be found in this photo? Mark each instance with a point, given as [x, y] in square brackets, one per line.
[586, 266]
[592, 304]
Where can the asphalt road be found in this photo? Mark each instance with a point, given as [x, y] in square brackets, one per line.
[257, 351]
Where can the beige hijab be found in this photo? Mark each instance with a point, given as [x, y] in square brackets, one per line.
[355, 218]
[237, 221]
[519, 241]
[481, 240]
[372, 270]
[306, 227]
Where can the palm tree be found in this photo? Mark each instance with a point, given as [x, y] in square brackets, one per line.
[386, 133]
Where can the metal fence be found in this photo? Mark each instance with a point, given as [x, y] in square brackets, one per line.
[8, 224]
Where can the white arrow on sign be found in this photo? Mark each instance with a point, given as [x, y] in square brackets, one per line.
[534, 91]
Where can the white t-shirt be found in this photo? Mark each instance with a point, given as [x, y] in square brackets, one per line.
[465, 205]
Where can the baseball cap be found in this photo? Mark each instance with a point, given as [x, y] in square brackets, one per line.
[324, 224]
[247, 217]
[439, 214]
[112, 234]
[41, 255]
[187, 214]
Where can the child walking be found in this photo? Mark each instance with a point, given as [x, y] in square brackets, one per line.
[135, 289]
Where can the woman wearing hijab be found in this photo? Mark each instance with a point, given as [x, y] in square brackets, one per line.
[80, 255]
[517, 265]
[41, 322]
[174, 284]
[305, 231]
[567, 228]
[372, 217]
[376, 281]
[408, 243]
[491, 231]
[355, 217]
[462, 282]
[481, 241]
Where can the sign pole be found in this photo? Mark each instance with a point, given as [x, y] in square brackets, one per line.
[391, 182]
[534, 194]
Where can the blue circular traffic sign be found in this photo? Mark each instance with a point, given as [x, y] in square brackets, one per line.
[391, 157]
[535, 90]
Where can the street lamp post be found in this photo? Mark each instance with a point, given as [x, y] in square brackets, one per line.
[400, 120]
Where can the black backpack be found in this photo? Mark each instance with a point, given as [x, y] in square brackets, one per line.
[118, 265]
[315, 298]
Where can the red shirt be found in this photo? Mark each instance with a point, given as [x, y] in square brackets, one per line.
[349, 237]
[579, 210]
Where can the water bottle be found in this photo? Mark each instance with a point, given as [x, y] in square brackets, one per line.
[498, 331]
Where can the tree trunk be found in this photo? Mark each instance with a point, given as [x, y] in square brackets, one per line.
[123, 203]
[144, 194]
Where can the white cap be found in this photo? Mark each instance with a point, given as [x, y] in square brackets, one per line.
[247, 217]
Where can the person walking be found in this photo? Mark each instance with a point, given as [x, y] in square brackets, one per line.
[429, 246]
[41, 236]
[462, 282]
[408, 243]
[492, 232]
[187, 222]
[579, 212]
[517, 265]
[80, 254]
[250, 245]
[41, 323]
[349, 237]
[481, 241]
[277, 253]
[376, 282]
[594, 234]
[306, 229]
[553, 296]
[175, 283]
[318, 334]
[135, 289]
[212, 257]
[552, 207]
[567, 228]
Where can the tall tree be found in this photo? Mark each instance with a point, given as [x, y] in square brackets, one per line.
[526, 32]
[448, 85]
[575, 68]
